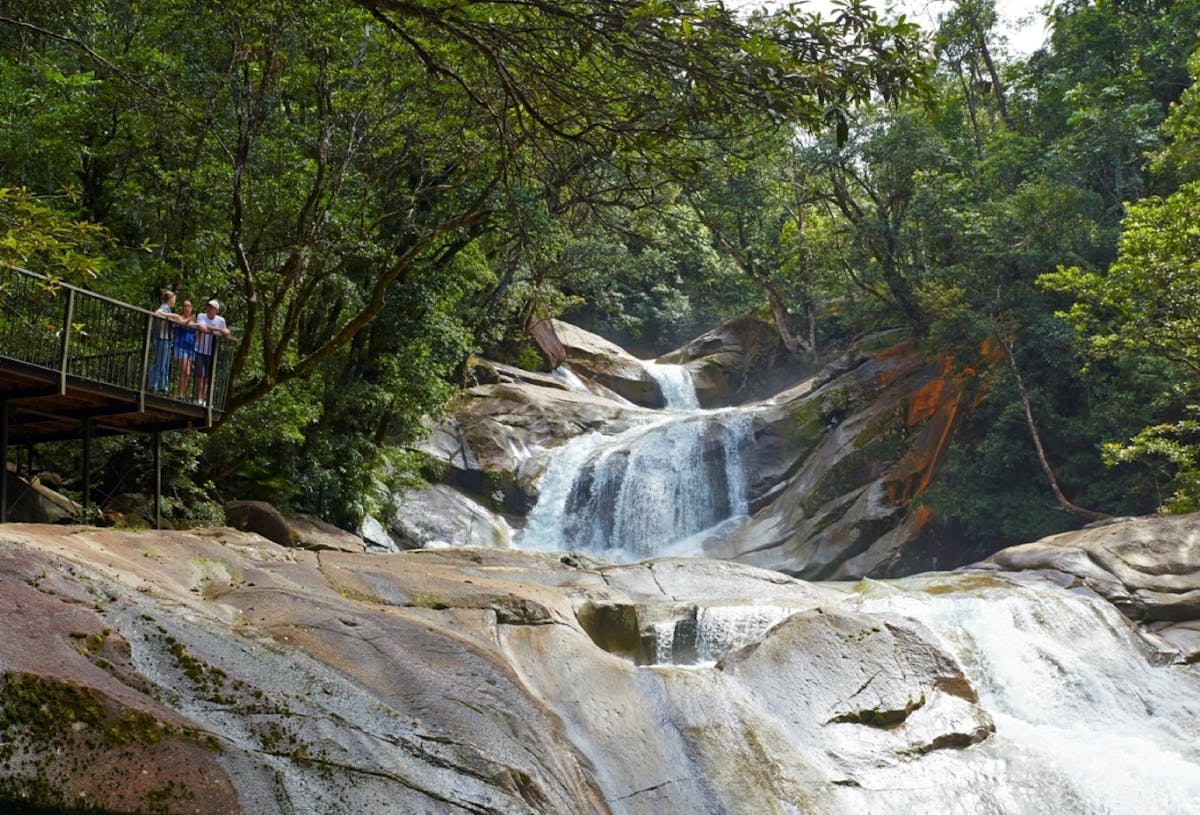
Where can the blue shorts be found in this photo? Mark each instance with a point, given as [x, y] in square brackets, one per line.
[185, 343]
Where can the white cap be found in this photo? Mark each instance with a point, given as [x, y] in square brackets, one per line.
[215, 304]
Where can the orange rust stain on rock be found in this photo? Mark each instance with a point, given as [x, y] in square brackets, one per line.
[926, 401]
[933, 406]
[931, 412]
[897, 350]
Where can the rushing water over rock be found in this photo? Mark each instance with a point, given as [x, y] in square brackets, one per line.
[676, 385]
[568, 377]
[711, 632]
[701, 689]
[1090, 716]
[490, 680]
[655, 489]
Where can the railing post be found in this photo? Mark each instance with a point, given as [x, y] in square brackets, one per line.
[145, 365]
[212, 380]
[65, 354]
[87, 467]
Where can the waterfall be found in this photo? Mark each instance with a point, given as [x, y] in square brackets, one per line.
[658, 488]
[721, 629]
[568, 377]
[1087, 714]
[708, 632]
[675, 382]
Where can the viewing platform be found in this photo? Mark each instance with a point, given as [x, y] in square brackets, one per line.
[75, 364]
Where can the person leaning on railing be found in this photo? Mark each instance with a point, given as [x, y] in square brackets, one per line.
[160, 370]
[209, 323]
[185, 346]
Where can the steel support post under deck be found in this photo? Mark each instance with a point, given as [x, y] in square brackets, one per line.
[4, 461]
[87, 468]
[158, 479]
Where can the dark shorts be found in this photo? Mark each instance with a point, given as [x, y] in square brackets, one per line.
[203, 364]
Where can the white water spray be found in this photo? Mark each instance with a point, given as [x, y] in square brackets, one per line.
[659, 488]
[675, 382]
[1088, 714]
[568, 377]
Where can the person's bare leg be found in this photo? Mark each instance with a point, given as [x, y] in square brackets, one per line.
[185, 369]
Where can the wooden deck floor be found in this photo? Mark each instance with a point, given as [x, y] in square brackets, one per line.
[37, 410]
[74, 363]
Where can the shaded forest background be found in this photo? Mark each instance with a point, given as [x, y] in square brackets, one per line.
[378, 190]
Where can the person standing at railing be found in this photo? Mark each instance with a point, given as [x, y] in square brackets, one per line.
[185, 346]
[162, 331]
[210, 325]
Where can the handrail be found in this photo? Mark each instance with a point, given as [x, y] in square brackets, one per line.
[58, 284]
[84, 336]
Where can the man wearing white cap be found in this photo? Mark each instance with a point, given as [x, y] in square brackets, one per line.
[208, 323]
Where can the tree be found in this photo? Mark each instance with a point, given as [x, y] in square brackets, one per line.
[1144, 306]
[962, 44]
[314, 167]
[36, 234]
[873, 183]
[744, 200]
[302, 140]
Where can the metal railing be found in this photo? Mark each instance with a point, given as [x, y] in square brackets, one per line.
[87, 337]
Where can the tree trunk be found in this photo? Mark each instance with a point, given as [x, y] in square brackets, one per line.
[969, 94]
[1063, 502]
[899, 286]
[997, 86]
[791, 340]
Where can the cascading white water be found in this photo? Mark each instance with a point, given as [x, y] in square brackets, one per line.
[568, 377]
[664, 641]
[713, 631]
[658, 488]
[675, 382]
[721, 629]
[1088, 716]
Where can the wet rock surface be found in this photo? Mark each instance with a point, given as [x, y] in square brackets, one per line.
[833, 462]
[215, 671]
[1148, 567]
[238, 675]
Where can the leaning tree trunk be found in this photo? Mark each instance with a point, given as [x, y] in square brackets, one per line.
[1063, 502]
[791, 340]
[794, 343]
[997, 86]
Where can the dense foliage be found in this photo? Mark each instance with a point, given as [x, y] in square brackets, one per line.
[377, 189]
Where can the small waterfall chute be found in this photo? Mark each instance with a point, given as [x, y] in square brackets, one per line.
[675, 382]
[659, 488]
[710, 632]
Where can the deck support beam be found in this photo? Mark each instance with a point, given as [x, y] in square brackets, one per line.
[158, 479]
[4, 461]
[87, 470]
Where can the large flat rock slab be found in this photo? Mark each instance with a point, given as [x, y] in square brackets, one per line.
[1149, 567]
[214, 671]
